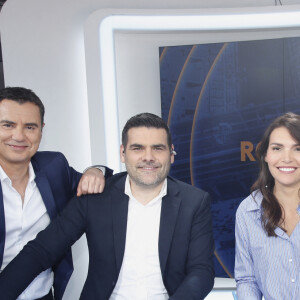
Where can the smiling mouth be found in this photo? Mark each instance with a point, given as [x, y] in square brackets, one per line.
[287, 169]
[148, 167]
[18, 147]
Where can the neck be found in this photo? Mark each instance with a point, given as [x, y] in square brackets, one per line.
[288, 197]
[145, 194]
[18, 174]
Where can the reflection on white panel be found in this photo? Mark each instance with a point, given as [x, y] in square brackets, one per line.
[131, 21]
[222, 295]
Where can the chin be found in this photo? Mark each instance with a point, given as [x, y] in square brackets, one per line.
[295, 185]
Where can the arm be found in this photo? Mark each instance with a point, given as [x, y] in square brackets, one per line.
[46, 250]
[247, 288]
[92, 181]
[199, 278]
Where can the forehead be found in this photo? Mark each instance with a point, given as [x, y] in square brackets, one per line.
[280, 135]
[14, 111]
[147, 136]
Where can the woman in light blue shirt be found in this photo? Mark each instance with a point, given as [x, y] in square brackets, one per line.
[267, 260]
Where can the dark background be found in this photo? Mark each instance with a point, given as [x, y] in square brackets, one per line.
[214, 96]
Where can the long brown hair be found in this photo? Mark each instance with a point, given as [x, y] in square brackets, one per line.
[272, 212]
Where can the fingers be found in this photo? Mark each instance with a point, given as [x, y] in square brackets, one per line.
[91, 182]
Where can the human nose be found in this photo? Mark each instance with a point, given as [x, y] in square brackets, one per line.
[148, 155]
[287, 156]
[18, 134]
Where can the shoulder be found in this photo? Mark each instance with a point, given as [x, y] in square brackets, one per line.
[251, 203]
[48, 158]
[188, 193]
[117, 177]
[114, 187]
[183, 186]
[117, 180]
[249, 208]
[46, 155]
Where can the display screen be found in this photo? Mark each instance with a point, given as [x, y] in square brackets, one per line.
[218, 99]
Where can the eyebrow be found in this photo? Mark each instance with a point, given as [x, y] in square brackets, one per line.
[32, 124]
[160, 145]
[152, 146]
[11, 122]
[278, 144]
[6, 121]
[135, 145]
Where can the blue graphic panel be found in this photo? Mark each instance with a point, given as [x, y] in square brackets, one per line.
[215, 97]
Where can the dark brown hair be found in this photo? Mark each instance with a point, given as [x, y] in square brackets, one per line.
[145, 120]
[272, 213]
[22, 95]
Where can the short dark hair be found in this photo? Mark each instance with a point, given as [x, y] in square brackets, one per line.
[22, 95]
[145, 120]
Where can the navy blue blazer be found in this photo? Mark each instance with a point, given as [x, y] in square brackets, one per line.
[185, 242]
[57, 183]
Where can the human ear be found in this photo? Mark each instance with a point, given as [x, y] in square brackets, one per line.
[122, 153]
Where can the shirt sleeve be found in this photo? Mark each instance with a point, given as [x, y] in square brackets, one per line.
[247, 288]
[47, 249]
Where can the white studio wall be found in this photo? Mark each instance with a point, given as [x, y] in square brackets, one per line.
[117, 40]
[45, 48]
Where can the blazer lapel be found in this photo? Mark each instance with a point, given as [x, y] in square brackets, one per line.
[119, 206]
[169, 212]
[2, 226]
[46, 193]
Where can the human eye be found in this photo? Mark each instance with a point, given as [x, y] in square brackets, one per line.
[159, 148]
[31, 126]
[297, 148]
[275, 148]
[136, 148]
[7, 125]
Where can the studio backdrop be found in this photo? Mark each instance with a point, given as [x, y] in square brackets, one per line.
[218, 99]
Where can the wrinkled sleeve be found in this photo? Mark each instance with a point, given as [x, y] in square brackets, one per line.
[247, 288]
[46, 250]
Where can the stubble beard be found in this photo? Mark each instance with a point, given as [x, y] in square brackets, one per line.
[139, 177]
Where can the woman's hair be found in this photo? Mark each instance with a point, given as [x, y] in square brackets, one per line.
[272, 214]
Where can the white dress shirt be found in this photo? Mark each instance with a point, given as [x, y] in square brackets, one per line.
[140, 276]
[23, 223]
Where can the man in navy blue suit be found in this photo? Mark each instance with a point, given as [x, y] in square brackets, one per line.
[35, 187]
[149, 235]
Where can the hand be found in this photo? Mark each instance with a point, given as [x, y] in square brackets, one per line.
[91, 182]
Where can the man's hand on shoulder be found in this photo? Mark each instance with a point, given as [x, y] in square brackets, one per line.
[91, 182]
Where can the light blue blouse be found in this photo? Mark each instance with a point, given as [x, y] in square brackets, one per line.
[268, 266]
